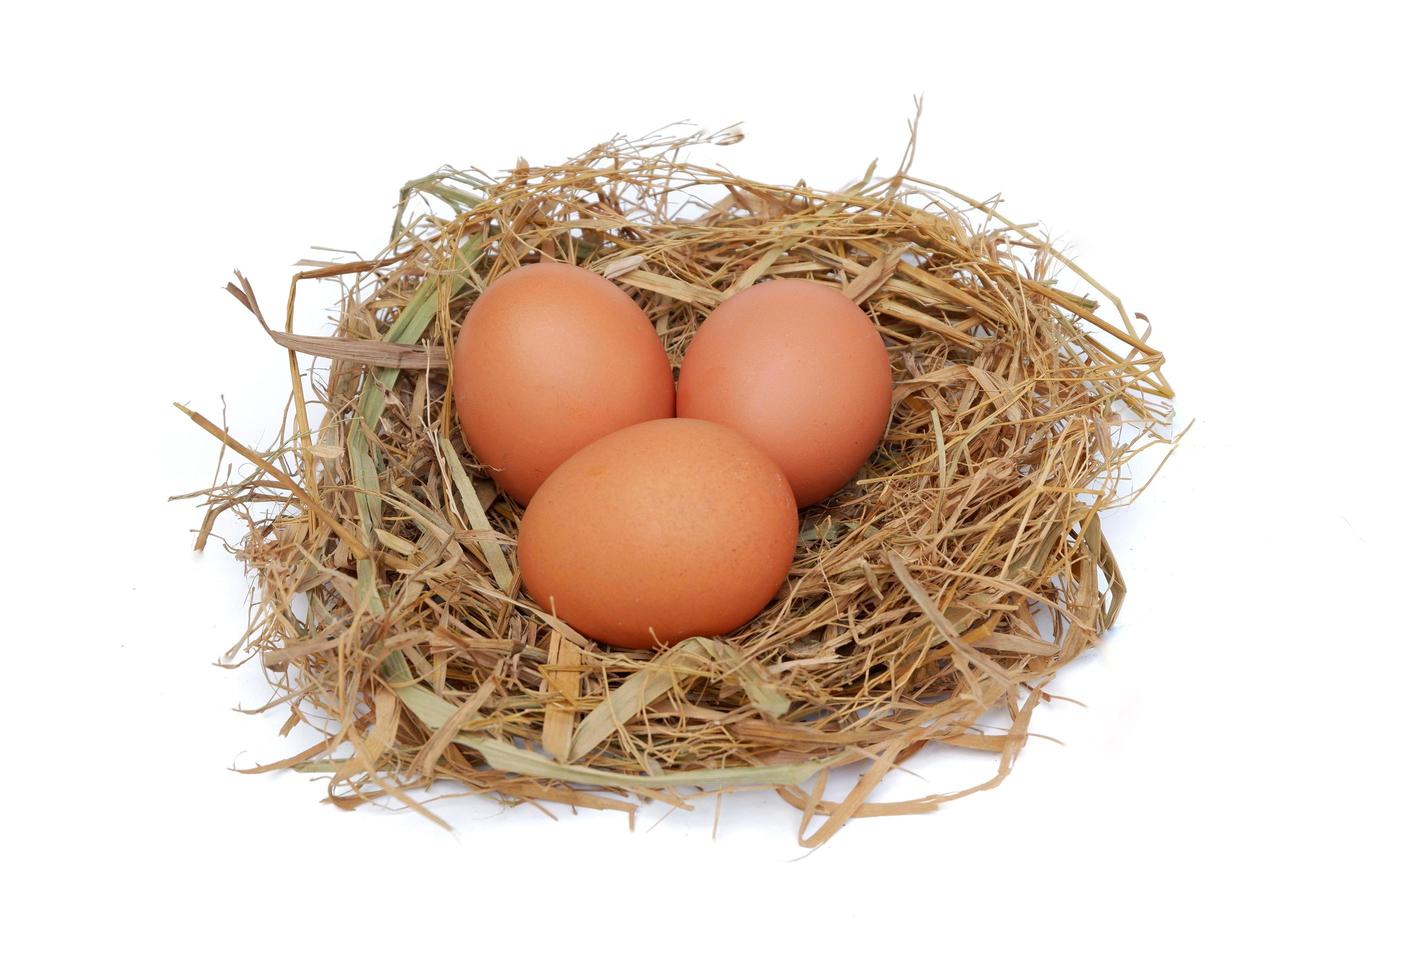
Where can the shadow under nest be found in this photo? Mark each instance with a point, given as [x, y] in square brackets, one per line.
[960, 570]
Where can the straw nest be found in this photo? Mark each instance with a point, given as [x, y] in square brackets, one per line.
[937, 593]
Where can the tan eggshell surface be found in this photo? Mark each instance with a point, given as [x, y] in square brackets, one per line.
[550, 358]
[799, 369]
[664, 530]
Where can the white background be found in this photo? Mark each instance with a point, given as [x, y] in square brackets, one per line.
[1233, 797]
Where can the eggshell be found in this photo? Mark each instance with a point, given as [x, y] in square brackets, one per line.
[799, 369]
[550, 358]
[657, 532]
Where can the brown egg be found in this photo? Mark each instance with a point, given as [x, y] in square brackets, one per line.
[550, 358]
[798, 369]
[665, 530]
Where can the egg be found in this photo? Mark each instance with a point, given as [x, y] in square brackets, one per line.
[798, 369]
[664, 530]
[550, 358]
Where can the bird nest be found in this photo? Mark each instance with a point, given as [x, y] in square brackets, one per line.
[928, 603]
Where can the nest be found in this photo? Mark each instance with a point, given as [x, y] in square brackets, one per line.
[937, 593]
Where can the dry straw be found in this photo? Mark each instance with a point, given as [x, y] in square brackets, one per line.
[963, 568]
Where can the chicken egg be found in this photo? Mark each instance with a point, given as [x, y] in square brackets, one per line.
[550, 358]
[664, 530]
[798, 369]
